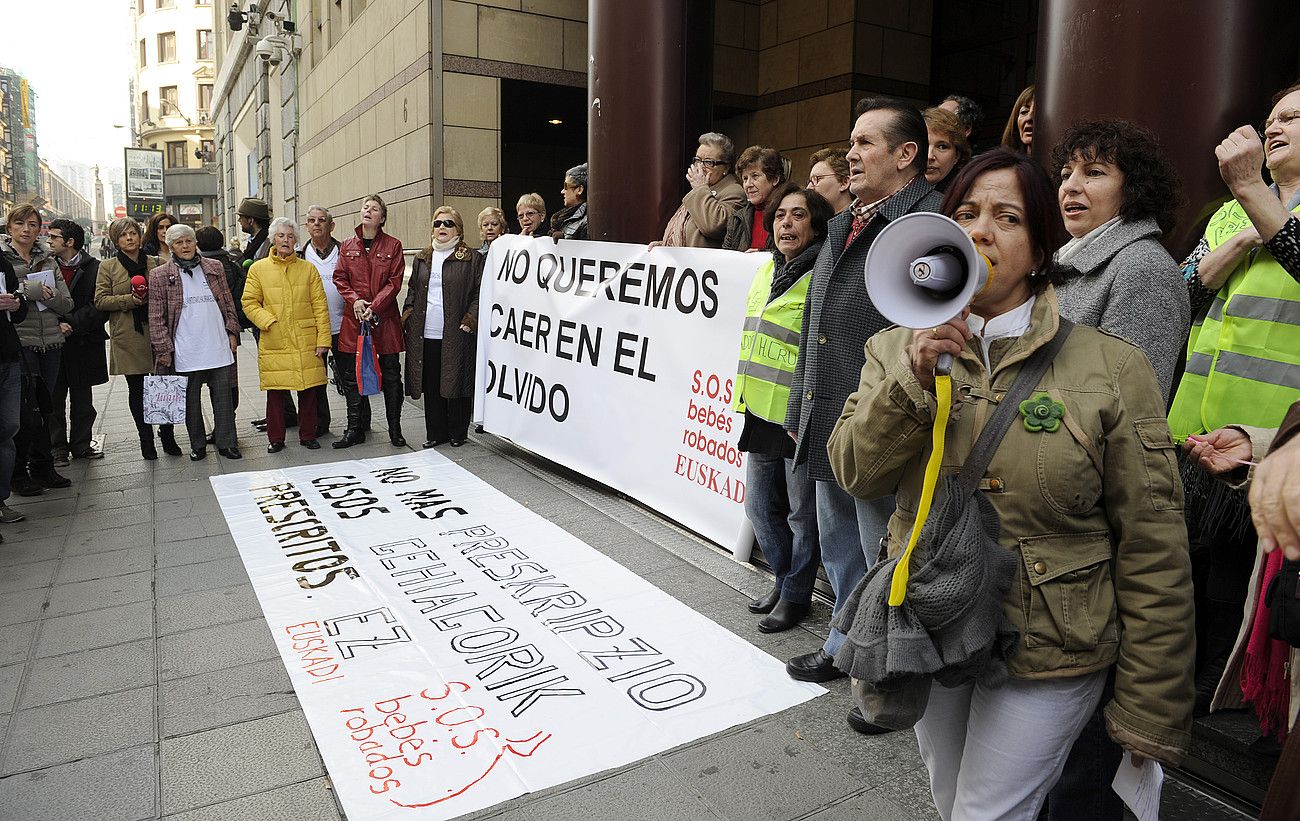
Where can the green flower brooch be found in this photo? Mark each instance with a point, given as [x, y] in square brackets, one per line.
[1042, 414]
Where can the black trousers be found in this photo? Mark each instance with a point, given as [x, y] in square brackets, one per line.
[444, 419]
[82, 416]
[390, 373]
[322, 393]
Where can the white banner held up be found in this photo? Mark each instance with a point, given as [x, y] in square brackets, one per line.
[619, 362]
[452, 649]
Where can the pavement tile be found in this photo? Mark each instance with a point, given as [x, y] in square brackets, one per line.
[16, 642]
[113, 519]
[115, 539]
[171, 553]
[89, 673]
[870, 760]
[31, 550]
[237, 761]
[182, 490]
[113, 499]
[225, 697]
[121, 786]
[65, 732]
[647, 792]
[33, 528]
[95, 628]
[206, 608]
[10, 676]
[184, 530]
[305, 801]
[103, 565]
[100, 593]
[762, 772]
[195, 652]
[28, 576]
[25, 605]
[911, 790]
[187, 507]
[868, 805]
[210, 575]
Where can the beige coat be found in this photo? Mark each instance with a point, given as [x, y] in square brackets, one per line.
[707, 210]
[1093, 511]
[129, 350]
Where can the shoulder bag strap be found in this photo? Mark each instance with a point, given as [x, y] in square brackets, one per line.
[991, 437]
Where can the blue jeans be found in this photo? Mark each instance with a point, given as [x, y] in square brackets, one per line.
[780, 503]
[850, 530]
[10, 408]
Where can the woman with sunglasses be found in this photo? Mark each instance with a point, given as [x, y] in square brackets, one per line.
[440, 317]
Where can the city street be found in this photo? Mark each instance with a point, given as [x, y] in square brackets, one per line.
[138, 678]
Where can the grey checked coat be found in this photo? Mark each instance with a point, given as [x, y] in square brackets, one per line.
[837, 322]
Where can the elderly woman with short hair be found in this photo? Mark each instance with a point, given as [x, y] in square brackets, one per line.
[130, 353]
[491, 224]
[284, 297]
[531, 210]
[570, 222]
[701, 221]
[440, 317]
[761, 170]
[194, 330]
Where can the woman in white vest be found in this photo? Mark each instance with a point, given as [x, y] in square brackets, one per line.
[322, 250]
[779, 499]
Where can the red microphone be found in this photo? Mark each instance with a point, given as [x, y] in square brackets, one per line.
[139, 286]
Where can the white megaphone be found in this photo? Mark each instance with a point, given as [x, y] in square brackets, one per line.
[922, 270]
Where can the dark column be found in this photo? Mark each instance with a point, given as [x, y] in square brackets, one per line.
[1190, 71]
[649, 86]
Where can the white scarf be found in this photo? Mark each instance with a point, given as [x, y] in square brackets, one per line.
[1072, 248]
[445, 246]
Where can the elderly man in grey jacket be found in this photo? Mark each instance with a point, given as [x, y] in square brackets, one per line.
[889, 145]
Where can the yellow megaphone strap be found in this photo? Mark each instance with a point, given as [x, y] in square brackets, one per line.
[943, 392]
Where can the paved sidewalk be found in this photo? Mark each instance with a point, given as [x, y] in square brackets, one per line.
[138, 678]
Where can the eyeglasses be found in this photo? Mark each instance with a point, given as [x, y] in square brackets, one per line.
[706, 163]
[1284, 118]
[444, 223]
[523, 214]
[813, 179]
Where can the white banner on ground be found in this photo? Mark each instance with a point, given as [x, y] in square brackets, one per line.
[619, 363]
[452, 649]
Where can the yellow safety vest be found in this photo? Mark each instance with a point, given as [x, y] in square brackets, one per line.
[769, 346]
[1243, 359]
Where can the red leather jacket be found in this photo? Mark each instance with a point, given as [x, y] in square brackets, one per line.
[375, 276]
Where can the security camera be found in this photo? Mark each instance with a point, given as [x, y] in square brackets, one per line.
[268, 49]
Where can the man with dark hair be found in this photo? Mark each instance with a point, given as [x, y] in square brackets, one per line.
[966, 109]
[83, 364]
[887, 155]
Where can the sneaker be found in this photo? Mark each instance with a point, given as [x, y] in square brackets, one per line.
[8, 515]
[62, 459]
[24, 486]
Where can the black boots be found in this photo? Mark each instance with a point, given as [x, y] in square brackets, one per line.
[766, 603]
[349, 438]
[784, 615]
[168, 438]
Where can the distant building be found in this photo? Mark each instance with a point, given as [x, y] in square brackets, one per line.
[60, 200]
[21, 163]
[173, 56]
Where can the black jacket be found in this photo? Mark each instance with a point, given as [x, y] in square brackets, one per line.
[9, 345]
[236, 277]
[84, 360]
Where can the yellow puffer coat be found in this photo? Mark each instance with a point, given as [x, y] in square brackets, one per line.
[284, 298]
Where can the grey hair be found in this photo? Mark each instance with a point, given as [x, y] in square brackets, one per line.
[281, 221]
[177, 231]
[578, 174]
[721, 142]
[321, 209]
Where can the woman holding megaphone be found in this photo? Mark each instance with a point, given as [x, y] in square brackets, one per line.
[122, 292]
[1075, 511]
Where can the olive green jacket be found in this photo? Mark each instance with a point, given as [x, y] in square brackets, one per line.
[1093, 509]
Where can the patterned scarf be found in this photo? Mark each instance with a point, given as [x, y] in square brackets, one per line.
[135, 268]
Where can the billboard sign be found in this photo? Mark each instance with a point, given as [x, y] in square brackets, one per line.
[144, 182]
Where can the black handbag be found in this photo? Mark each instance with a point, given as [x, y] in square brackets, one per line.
[1283, 600]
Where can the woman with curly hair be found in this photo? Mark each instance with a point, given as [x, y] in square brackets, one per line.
[1117, 193]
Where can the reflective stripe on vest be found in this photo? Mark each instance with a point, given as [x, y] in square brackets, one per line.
[769, 346]
[1243, 359]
